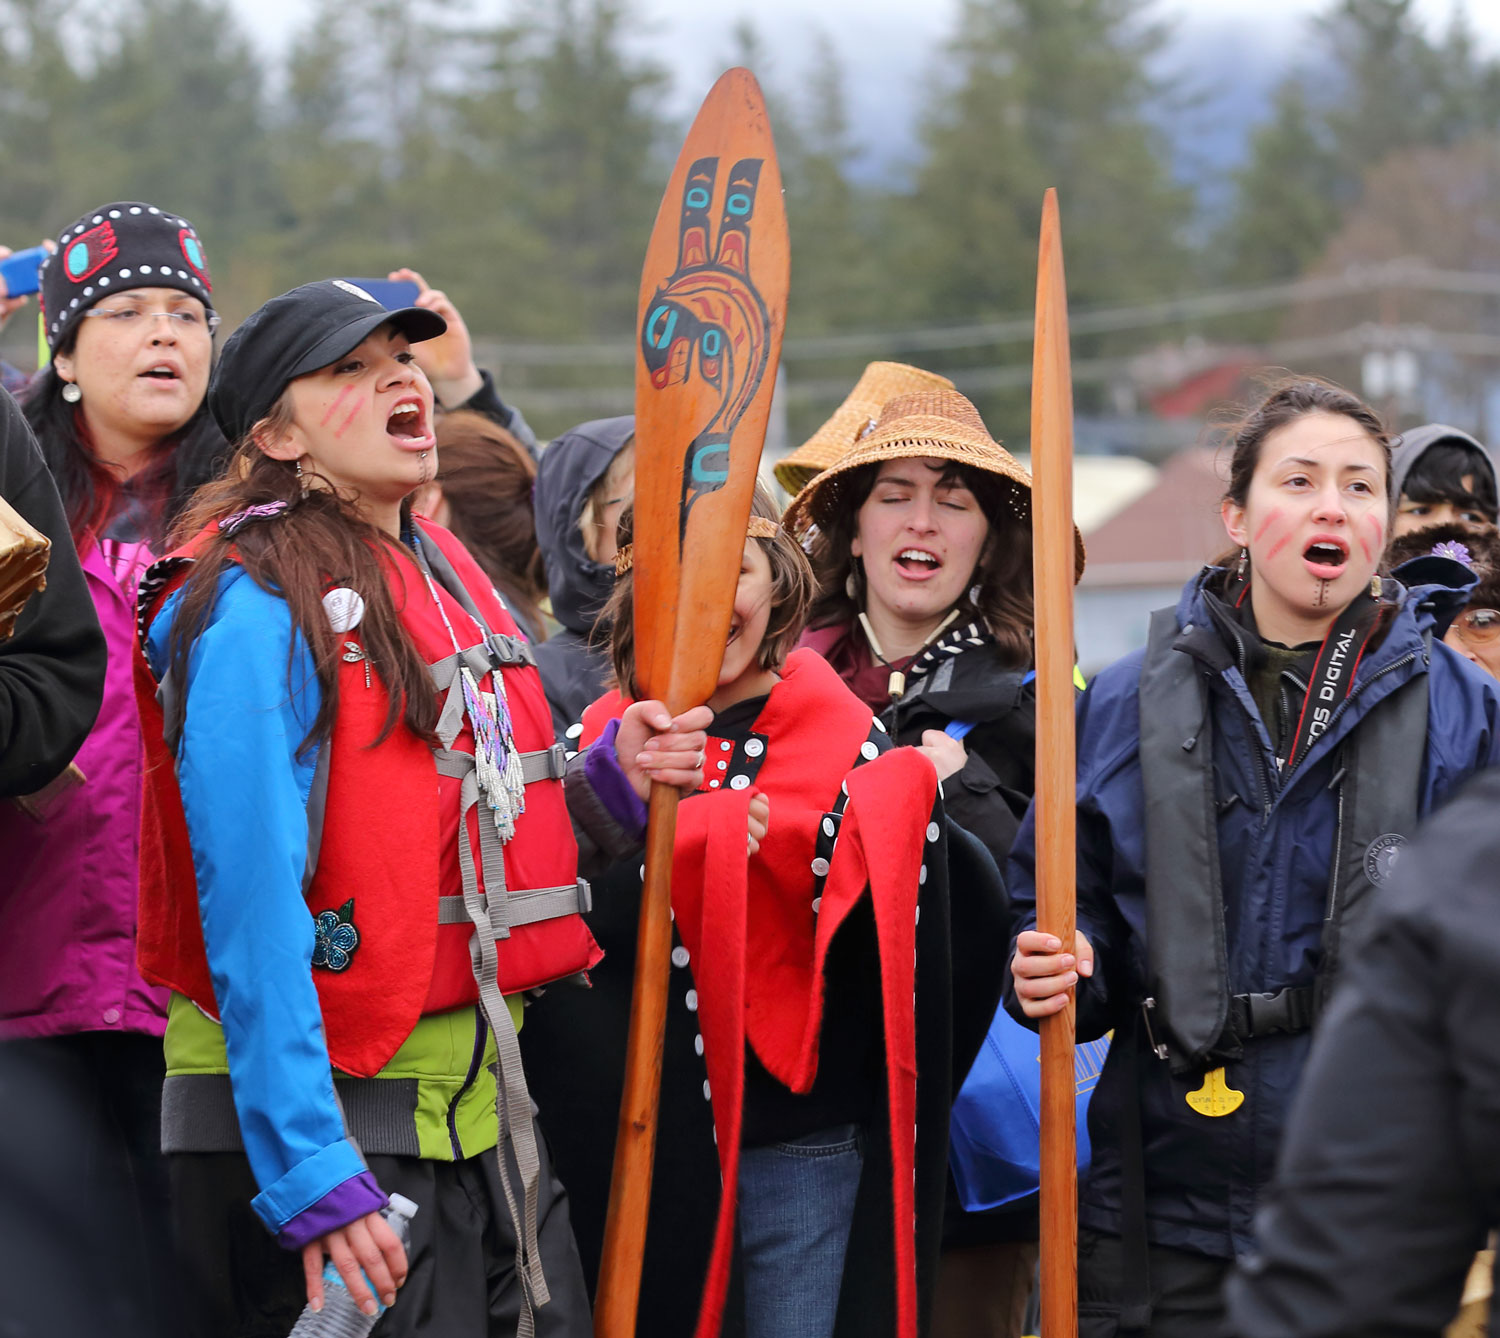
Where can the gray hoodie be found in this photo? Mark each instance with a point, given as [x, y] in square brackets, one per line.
[1410, 446]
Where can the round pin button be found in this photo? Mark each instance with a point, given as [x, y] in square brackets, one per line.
[932, 831]
[691, 1000]
[754, 747]
[868, 750]
[739, 782]
[820, 866]
[679, 956]
[111, 1015]
[828, 827]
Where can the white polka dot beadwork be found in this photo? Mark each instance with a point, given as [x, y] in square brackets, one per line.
[922, 876]
[691, 1000]
[679, 956]
[739, 782]
[146, 269]
[114, 213]
[136, 209]
[868, 750]
[707, 1091]
[98, 218]
[932, 831]
[698, 1044]
[125, 273]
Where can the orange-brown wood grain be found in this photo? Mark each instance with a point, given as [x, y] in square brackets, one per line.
[712, 311]
[1056, 858]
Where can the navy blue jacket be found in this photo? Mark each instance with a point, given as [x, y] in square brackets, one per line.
[1275, 840]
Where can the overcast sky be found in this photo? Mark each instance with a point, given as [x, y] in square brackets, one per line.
[887, 47]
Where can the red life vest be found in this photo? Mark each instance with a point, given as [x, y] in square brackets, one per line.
[759, 943]
[383, 835]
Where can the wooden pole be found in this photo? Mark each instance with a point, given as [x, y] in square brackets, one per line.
[1056, 860]
[712, 311]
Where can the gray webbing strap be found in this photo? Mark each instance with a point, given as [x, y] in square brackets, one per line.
[512, 1099]
[524, 908]
[512, 1113]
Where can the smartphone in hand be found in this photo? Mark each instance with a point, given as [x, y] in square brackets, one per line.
[20, 273]
[392, 294]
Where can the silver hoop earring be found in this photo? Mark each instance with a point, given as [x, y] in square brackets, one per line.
[71, 393]
[975, 591]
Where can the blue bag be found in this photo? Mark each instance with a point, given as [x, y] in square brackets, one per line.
[995, 1129]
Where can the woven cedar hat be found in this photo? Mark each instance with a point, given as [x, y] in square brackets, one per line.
[878, 384]
[940, 424]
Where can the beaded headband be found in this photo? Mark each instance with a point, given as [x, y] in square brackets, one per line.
[759, 528]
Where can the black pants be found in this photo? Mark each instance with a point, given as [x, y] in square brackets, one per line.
[84, 1232]
[1186, 1290]
[461, 1280]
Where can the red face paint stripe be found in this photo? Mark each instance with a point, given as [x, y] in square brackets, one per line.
[1278, 546]
[1267, 523]
[345, 425]
[334, 407]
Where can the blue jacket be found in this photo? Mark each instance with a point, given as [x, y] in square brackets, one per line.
[1275, 841]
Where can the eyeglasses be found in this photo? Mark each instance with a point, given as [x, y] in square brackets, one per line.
[182, 320]
[1478, 627]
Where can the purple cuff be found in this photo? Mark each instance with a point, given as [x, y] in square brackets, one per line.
[342, 1204]
[607, 777]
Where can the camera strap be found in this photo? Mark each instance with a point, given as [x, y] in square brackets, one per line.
[1333, 673]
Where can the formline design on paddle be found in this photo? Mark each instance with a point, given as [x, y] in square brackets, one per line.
[712, 312]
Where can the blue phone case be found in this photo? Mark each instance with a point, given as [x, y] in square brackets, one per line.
[392, 294]
[22, 271]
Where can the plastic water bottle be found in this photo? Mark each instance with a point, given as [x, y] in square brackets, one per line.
[341, 1316]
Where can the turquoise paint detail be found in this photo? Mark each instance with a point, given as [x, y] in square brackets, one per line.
[697, 198]
[78, 258]
[663, 336]
[737, 204]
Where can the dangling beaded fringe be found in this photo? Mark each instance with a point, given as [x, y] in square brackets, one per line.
[497, 764]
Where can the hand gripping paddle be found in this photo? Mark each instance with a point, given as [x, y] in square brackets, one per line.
[712, 310]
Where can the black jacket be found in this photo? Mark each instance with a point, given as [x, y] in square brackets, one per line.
[52, 669]
[967, 680]
[1389, 1175]
[573, 669]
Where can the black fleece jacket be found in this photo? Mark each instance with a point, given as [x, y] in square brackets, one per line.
[52, 668]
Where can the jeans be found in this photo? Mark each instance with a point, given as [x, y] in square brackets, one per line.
[796, 1208]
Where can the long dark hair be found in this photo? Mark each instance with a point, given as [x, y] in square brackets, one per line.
[180, 463]
[487, 479]
[318, 542]
[1003, 576]
[791, 597]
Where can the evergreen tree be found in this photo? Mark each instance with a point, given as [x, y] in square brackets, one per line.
[1286, 211]
[1047, 93]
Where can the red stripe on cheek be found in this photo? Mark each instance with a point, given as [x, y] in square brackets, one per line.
[1267, 523]
[334, 407]
[353, 414]
[1279, 545]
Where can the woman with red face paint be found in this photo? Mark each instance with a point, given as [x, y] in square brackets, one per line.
[355, 859]
[1245, 786]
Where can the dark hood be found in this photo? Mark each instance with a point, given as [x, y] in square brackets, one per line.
[569, 469]
[1409, 447]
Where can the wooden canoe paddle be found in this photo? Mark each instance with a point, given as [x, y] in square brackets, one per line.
[1053, 555]
[712, 311]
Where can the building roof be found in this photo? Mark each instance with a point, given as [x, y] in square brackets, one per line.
[1164, 535]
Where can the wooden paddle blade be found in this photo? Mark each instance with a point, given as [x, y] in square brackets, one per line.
[1053, 570]
[712, 312]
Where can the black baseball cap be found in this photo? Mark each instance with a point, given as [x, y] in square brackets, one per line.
[297, 333]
